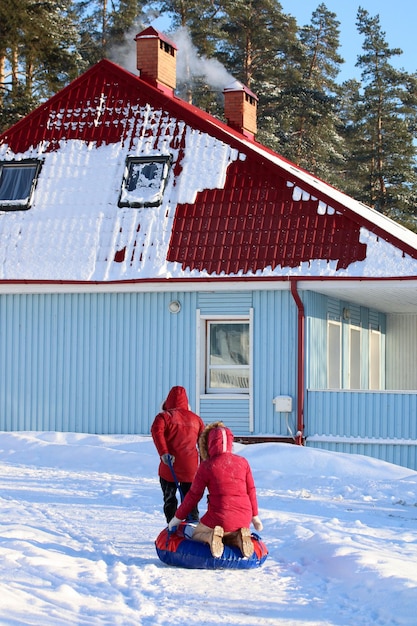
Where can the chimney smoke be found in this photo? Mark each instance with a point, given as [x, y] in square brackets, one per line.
[160, 60]
[190, 65]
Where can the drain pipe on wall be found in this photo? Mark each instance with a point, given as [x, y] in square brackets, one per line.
[300, 362]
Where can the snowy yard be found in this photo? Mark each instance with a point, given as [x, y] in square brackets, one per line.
[80, 514]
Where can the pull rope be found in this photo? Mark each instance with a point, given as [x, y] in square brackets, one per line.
[174, 476]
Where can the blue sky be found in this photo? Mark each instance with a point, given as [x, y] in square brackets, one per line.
[398, 20]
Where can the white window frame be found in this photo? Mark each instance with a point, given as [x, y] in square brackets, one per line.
[355, 357]
[16, 198]
[375, 366]
[202, 344]
[334, 354]
[150, 193]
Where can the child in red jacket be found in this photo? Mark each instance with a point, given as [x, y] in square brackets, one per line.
[232, 502]
[175, 432]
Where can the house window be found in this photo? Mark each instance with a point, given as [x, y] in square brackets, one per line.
[17, 184]
[144, 181]
[227, 356]
[354, 357]
[374, 359]
[334, 355]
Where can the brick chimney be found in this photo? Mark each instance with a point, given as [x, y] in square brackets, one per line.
[240, 106]
[156, 60]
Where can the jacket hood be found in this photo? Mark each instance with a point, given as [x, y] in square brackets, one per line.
[176, 399]
[215, 439]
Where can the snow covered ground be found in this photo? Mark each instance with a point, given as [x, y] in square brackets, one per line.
[80, 513]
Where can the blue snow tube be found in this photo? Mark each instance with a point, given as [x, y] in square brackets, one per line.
[175, 549]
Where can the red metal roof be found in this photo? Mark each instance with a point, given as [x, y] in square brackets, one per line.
[253, 223]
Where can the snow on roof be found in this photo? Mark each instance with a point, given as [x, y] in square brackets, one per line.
[230, 206]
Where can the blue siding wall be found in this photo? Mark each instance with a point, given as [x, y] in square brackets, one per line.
[103, 363]
[225, 302]
[378, 424]
[92, 362]
[233, 412]
[275, 359]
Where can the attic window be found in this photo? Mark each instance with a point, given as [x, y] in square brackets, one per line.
[17, 184]
[144, 181]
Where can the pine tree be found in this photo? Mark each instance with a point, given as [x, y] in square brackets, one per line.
[38, 53]
[258, 41]
[260, 48]
[383, 130]
[308, 104]
[104, 25]
[301, 121]
[352, 170]
[10, 15]
[201, 19]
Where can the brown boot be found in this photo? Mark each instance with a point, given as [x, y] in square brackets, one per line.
[245, 541]
[216, 543]
[212, 536]
[241, 539]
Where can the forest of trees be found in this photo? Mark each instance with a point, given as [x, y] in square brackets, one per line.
[357, 135]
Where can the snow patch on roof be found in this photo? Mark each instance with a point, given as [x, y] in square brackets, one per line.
[75, 229]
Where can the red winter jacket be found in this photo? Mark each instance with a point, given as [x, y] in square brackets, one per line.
[176, 431]
[228, 478]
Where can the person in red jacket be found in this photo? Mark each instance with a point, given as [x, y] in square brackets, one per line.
[175, 432]
[232, 502]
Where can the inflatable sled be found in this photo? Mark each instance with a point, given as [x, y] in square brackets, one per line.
[173, 548]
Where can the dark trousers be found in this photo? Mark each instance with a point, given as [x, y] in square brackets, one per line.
[169, 491]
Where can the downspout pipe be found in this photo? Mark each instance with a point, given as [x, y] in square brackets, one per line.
[300, 362]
